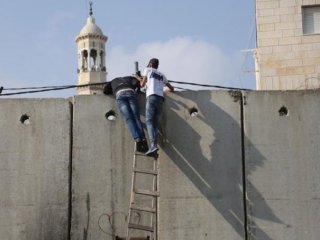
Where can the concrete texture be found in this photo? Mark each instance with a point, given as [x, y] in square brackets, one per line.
[201, 167]
[101, 170]
[34, 174]
[282, 164]
[201, 187]
[269, 141]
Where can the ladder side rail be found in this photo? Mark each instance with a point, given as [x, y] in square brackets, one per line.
[158, 202]
[133, 180]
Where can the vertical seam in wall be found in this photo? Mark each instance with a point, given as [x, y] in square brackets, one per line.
[70, 171]
[242, 102]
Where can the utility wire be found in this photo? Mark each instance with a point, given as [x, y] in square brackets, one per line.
[25, 88]
[34, 91]
[46, 89]
[208, 85]
[56, 88]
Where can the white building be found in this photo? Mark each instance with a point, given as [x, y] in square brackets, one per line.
[288, 44]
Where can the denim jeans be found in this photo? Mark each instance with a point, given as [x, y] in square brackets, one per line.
[129, 107]
[153, 111]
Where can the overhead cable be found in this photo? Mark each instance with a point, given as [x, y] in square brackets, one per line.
[208, 85]
[46, 89]
[56, 88]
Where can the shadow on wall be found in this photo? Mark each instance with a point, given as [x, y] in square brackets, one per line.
[218, 173]
[86, 229]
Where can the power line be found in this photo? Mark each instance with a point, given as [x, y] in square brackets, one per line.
[46, 89]
[208, 85]
[56, 88]
[35, 91]
[25, 88]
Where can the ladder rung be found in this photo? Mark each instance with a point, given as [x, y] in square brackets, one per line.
[140, 227]
[133, 238]
[140, 154]
[155, 156]
[146, 192]
[151, 172]
[144, 209]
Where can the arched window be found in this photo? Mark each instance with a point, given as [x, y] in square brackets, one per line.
[101, 59]
[84, 66]
[93, 59]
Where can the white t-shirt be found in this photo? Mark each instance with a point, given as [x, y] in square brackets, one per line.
[156, 81]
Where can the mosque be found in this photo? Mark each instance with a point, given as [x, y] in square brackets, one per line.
[91, 57]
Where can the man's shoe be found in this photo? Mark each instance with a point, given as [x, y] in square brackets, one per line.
[152, 150]
[140, 147]
[145, 145]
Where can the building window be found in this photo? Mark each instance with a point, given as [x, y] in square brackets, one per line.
[311, 19]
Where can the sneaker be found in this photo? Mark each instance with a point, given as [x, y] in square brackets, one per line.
[152, 150]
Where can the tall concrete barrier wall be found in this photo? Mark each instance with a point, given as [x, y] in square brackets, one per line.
[101, 170]
[282, 164]
[200, 181]
[201, 167]
[232, 166]
[34, 174]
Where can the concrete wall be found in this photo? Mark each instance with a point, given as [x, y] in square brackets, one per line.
[287, 58]
[34, 174]
[204, 162]
[101, 170]
[282, 164]
[201, 179]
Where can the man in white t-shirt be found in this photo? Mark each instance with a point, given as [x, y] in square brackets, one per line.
[155, 81]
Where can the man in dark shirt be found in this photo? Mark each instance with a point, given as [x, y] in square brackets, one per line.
[125, 90]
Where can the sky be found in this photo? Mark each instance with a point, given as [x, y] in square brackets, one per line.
[203, 41]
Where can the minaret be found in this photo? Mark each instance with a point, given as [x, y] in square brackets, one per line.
[91, 57]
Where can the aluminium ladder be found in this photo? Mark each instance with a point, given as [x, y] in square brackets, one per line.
[143, 210]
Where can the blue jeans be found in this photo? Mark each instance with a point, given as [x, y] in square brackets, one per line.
[129, 107]
[153, 111]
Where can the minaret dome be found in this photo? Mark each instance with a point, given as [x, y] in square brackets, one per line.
[91, 57]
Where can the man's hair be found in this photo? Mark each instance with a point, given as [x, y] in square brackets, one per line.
[107, 89]
[154, 63]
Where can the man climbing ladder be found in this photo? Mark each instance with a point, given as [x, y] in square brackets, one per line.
[125, 89]
[155, 82]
